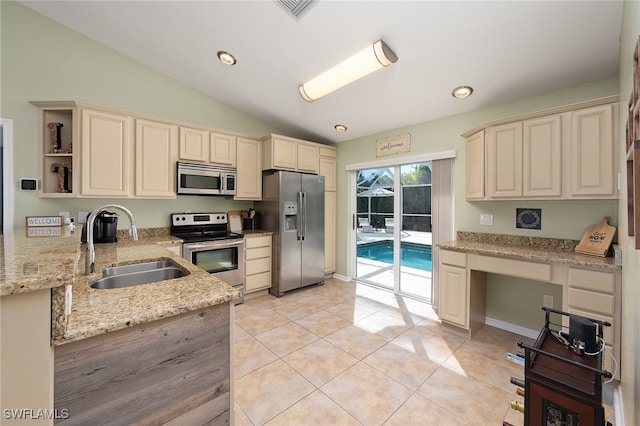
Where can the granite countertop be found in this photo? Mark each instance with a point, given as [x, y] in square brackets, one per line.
[96, 312]
[255, 233]
[535, 249]
[57, 261]
[38, 258]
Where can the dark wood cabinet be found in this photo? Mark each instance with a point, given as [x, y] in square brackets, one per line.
[563, 386]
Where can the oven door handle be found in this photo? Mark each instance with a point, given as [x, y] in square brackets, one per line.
[196, 246]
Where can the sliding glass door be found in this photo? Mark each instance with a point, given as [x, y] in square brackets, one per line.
[375, 199]
[393, 234]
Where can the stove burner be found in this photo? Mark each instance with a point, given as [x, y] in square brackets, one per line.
[199, 227]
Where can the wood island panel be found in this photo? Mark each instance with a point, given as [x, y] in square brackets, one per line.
[149, 374]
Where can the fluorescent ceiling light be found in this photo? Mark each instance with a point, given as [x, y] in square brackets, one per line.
[371, 59]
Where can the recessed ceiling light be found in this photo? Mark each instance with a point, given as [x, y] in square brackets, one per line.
[462, 92]
[340, 128]
[226, 58]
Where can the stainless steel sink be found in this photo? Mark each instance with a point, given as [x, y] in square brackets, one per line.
[138, 273]
[136, 267]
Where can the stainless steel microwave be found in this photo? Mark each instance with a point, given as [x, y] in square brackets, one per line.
[206, 179]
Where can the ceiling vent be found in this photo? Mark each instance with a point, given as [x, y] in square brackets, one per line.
[295, 7]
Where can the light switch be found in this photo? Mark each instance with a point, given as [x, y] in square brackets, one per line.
[486, 219]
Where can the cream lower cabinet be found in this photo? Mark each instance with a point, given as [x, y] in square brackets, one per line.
[106, 154]
[454, 289]
[596, 295]
[156, 146]
[248, 169]
[257, 263]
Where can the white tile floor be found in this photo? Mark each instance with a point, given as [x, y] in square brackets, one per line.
[350, 354]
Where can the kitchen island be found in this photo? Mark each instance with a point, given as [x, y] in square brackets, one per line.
[39, 274]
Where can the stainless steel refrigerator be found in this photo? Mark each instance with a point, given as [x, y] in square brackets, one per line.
[292, 207]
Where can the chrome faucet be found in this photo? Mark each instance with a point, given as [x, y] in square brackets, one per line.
[90, 260]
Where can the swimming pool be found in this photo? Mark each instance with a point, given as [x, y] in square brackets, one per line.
[412, 255]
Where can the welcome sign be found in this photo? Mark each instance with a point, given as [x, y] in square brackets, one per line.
[393, 145]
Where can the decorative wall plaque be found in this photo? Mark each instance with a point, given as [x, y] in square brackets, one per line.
[393, 145]
[529, 218]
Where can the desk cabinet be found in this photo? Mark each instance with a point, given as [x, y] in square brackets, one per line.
[257, 263]
[590, 292]
[596, 294]
[454, 288]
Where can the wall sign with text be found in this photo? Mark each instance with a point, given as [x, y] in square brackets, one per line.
[44, 221]
[393, 145]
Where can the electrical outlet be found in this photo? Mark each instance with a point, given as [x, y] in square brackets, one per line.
[547, 301]
[82, 217]
[486, 219]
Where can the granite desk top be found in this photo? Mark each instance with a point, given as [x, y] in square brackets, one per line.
[547, 250]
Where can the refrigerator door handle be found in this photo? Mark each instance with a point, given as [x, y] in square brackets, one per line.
[304, 215]
[300, 219]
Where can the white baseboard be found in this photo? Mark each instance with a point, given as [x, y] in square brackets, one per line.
[341, 277]
[522, 331]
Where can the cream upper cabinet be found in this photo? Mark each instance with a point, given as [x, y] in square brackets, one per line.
[592, 152]
[504, 160]
[308, 157]
[280, 153]
[58, 148]
[194, 144]
[285, 153]
[524, 159]
[248, 169]
[542, 157]
[222, 149]
[106, 154]
[474, 176]
[563, 153]
[156, 146]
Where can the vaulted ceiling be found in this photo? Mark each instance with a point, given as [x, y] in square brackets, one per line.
[505, 50]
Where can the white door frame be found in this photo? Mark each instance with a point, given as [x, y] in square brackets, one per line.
[7, 178]
[387, 162]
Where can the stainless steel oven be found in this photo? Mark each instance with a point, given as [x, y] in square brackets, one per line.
[208, 244]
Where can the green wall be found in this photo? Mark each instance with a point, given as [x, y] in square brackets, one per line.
[560, 219]
[44, 60]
